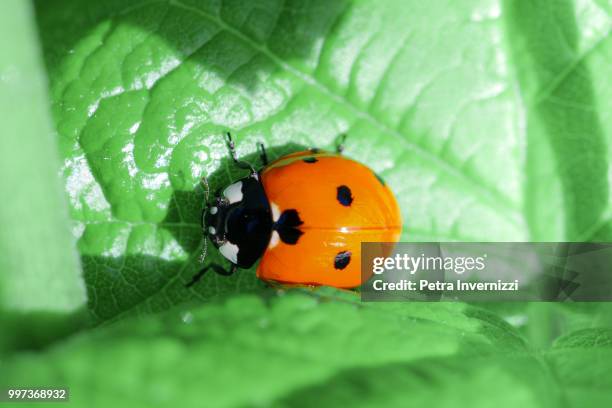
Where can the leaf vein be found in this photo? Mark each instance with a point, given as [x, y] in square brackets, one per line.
[488, 194]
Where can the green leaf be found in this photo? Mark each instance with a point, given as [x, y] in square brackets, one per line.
[249, 350]
[40, 278]
[488, 118]
[484, 117]
[487, 125]
[582, 362]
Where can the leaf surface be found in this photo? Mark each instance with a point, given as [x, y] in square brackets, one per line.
[455, 105]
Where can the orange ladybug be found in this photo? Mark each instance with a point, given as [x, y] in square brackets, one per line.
[304, 216]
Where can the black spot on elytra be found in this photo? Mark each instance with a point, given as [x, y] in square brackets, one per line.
[287, 227]
[289, 218]
[342, 259]
[290, 235]
[344, 195]
[380, 179]
[310, 160]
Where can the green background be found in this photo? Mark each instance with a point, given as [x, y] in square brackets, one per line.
[490, 120]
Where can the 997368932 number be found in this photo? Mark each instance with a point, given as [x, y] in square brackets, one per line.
[34, 394]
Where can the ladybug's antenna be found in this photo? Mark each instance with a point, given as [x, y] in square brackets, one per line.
[205, 187]
[204, 249]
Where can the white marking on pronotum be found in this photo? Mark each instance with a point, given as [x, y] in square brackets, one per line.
[212, 230]
[230, 251]
[274, 240]
[233, 192]
[213, 210]
[275, 212]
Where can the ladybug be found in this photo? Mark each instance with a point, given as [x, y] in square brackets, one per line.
[303, 216]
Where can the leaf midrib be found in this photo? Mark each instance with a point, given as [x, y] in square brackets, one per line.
[488, 195]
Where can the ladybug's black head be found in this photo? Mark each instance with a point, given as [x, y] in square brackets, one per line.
[239, 221]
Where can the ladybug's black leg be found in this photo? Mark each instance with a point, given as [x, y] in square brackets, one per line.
[239, 163]
[340, 143]
[262, 153]
[215, 267]
[196, 278]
